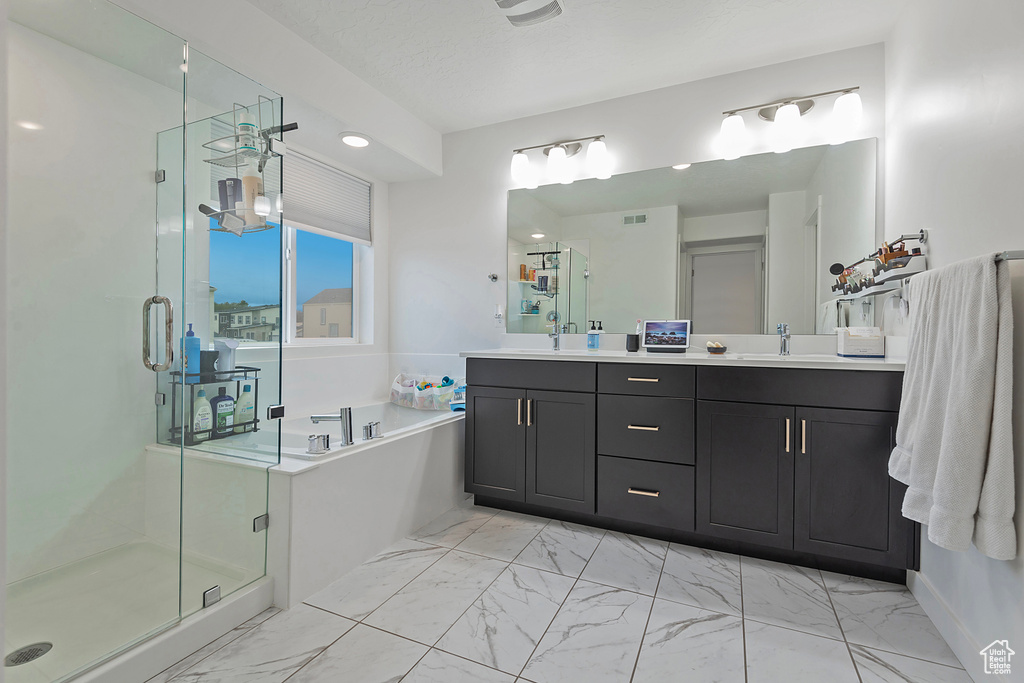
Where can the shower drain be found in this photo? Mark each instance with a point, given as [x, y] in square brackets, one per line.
[29, 653]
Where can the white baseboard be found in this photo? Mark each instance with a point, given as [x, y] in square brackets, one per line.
[964, 646]
[153, 656]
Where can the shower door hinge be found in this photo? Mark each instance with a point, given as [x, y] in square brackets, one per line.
[160, 176]
[261, 523]
[160, 399]
[211, 596]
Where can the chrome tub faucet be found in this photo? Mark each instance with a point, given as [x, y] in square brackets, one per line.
[344, 416]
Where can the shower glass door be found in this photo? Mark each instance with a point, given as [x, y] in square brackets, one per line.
[119, 520]
[90, 570]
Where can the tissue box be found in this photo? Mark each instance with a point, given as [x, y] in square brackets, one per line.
[860, 342]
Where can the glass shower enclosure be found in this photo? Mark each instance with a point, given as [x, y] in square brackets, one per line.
[547, 285]
[125, 514]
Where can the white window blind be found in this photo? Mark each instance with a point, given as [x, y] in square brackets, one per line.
[323, 199]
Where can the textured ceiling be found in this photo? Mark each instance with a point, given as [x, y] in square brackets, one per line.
[460, 64]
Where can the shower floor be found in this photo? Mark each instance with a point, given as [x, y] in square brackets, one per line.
[97, 605]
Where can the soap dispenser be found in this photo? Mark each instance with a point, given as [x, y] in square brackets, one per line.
[593, 339]
[190, 357]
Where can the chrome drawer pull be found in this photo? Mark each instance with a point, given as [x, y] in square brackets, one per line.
[642, 379]
[643, 492]
[642, 428]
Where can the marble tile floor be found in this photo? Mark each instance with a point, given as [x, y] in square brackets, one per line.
[481, 596]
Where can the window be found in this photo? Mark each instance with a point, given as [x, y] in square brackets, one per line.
[314, 255]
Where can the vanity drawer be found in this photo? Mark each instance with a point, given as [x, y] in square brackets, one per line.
[647, 380]
[653, 493]
[544, 375]
[646, 428]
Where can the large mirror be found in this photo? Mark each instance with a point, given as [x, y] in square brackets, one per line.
[735, 246]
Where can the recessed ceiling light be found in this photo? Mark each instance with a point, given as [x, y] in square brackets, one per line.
[355, 139]
[681, 167]
[30, 125]
[537, 236]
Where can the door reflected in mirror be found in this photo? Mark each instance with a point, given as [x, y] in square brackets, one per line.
[735, 246]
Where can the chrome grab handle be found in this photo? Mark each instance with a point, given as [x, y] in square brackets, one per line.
[168, 333]
[645, 429]
[643, 492]
[641, 379]
[787, 435]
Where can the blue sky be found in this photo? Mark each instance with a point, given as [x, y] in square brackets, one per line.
[249, 267]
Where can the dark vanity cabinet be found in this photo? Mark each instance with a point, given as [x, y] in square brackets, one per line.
[792, 461]
[532, 445]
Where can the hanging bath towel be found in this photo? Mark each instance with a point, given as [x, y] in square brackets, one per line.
[954, 442]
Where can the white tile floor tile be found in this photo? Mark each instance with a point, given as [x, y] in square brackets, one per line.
[430, 614]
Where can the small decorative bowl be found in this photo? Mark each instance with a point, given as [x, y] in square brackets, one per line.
[717, 350]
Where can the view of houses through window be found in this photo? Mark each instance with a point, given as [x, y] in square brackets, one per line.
[245, 286]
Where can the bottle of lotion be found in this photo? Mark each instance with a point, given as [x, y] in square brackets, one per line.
[245, 409]
[202, 417]
[593, 340]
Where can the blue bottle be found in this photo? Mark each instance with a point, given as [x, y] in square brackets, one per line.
[190, 357]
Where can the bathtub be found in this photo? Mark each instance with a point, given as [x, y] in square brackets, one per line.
[395, 421]
[330, 513]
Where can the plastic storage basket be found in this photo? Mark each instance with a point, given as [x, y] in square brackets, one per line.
[405, 391]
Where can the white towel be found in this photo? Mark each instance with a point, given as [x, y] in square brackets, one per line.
[954, 443]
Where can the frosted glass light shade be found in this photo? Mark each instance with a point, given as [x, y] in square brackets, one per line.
[261, 206]
[520, 168]
[733, 139]
[847, 116]
[787, 130]
[559, 170]
[599, 161]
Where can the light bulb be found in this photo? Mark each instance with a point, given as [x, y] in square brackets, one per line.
[787, 129]
[559, 169]
[520, 168]
[599, 162]
[732, 141]
[261, 206]
[847, 115]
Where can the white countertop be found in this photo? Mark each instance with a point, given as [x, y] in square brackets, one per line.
[697, 356]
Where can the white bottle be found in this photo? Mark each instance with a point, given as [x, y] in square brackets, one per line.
[245, 409]
[202, 417]
[246, 132]
[252, 187]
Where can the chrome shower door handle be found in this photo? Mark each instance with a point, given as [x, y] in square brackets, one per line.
[168, 333]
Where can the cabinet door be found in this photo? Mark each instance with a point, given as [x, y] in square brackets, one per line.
[561, 456]
[496, 442]
[847, 506]
[744, 472]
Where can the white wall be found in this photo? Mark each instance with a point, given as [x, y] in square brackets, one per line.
[450, 232]
[726, 226]
[76, 436]
[955, 165]
[632, 267]
[788, 275]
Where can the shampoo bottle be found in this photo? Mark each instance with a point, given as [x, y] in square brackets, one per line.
[202, 417]
[245, 409]
[223, 413]
[190, 357]
[252, 187]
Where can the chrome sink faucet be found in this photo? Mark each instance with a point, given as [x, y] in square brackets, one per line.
[784, 337]
[557, 329]
[344, 416]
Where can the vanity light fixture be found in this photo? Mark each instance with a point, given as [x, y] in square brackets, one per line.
[559, 167]
[787, 130]
[354, 139]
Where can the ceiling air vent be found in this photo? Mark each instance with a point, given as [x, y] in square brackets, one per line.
[635, 219]
[529, 12]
